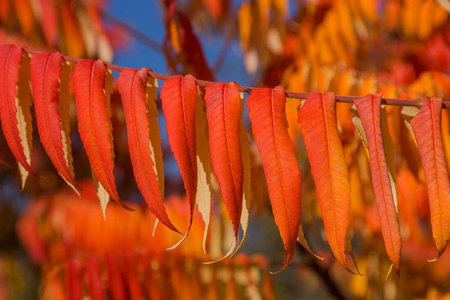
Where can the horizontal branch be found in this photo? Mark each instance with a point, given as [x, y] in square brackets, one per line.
[248, 89]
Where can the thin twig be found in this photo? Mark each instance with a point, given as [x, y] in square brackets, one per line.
[248, 89]
[142, 37]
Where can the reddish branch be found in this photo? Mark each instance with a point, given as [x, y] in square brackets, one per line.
[247, 89]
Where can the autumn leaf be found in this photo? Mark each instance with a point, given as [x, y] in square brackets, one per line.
[371, 131]
[179, 101]
[267, 115]
[426, 129]
[223, 107]
[10, 60]
[45, 79]
[74, 282]
[329, 168]
[94, 125]
[93, 273]
[132, 87]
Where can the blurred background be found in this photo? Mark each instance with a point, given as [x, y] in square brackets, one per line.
[56, 245]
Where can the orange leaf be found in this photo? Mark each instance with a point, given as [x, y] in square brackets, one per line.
[427, 131]
[329, 167]
[94, 124]
[369, 110]
[223, 107]
[132, 87]
[45, 78]
[10, 60]
[267, 115]
[179, 101]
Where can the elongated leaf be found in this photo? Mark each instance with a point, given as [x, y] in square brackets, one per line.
[132, 87]
[280, 165]
[10, 60]
[329, 167]
[426, 127]
[93, 275]
[223, 106]
[116, 284]
[45, 78]
[94, 124]
[369, 111]
[179, 101]
[74, 283]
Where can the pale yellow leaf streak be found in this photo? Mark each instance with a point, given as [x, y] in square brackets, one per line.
[23, 114]
[203, 197]
[103, 196]
[64, 113]
[387, 143]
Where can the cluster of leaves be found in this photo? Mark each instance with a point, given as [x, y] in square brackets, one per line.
[72, 27]
[82, 256]
[191, 122]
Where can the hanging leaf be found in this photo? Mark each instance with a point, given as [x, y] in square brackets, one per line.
[204, 168]
[94, 124]
[426, 129]
[223, 106]
[93, 273]
[10, 60]
[329, 168]
[45, 78]
[132, 87]
[280, 165]
[74, 282]
[179, 101]
[368, 120]
[115, 280]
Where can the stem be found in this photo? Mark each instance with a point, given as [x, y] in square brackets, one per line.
[248, 89]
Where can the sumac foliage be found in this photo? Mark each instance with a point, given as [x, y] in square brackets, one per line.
[219, 118]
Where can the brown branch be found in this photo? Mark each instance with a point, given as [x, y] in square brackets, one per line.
[248, 89]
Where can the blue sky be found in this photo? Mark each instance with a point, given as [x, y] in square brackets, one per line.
[147, 16]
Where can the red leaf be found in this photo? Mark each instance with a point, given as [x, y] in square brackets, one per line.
[369, 110]
[427, 131]
[93, 122]
[132, 278]
[329, 167]
[179, 101]
[114, 272]
[132, 87]
[10, 60]
[45, 77]
[93, 278]
[74, 285]
[267, 115]
[223, 107]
